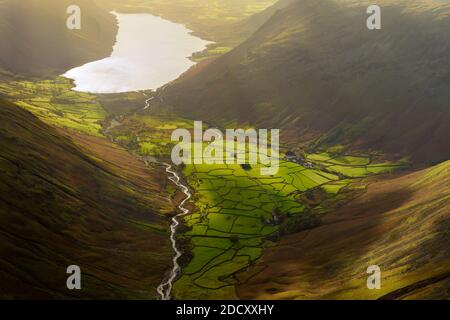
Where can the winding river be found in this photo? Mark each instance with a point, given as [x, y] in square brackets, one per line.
[149, 53]
[165, 288]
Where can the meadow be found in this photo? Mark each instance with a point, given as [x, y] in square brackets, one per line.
[237, 212]
[354, 166]
[55, 103]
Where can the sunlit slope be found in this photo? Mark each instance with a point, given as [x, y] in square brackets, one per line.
[35, 39]
[315, 70]
[211, 20]
[401, 224]
[62, 204]
[242, 30]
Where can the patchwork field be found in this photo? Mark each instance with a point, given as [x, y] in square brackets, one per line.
[236, 212]
[240, 212]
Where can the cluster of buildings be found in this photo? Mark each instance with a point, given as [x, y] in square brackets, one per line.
[292, 157]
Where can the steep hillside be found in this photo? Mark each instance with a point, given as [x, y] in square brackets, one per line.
[63, 203]
[316, 71]
[401, 224]
[244, 29]
[35, 39]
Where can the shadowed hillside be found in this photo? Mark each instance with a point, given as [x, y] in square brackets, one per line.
[401, 224]
[316, 71]
[62, 204]
[36, 41]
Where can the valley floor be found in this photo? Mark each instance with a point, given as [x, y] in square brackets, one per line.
[308, 232]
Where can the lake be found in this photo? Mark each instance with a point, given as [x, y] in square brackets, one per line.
[149, 52]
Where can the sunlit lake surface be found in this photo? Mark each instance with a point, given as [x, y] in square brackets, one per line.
[149, 52]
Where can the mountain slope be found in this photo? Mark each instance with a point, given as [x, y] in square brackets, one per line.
[36, 42]
[401, 224]
[316, 71]
[62, 205]
[244, 29]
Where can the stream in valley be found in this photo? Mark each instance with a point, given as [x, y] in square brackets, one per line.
[149, 53]
[165, 288]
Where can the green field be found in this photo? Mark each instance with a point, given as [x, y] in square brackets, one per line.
[238, 211]
[213, 51]
[353, 166]
[55, 103]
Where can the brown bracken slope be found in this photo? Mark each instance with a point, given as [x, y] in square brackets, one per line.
[65, 204]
